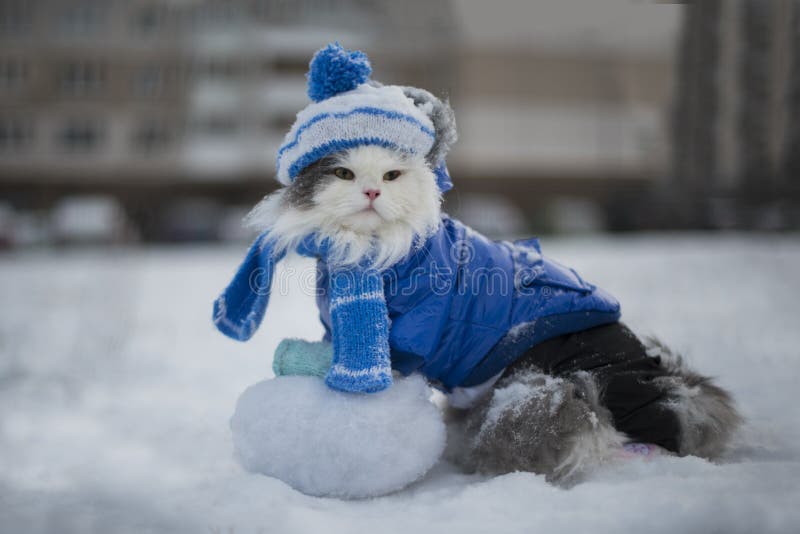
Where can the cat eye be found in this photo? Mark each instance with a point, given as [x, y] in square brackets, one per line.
[391, 175]
[343, 173]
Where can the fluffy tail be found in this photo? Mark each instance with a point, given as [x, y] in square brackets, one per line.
[707, 414]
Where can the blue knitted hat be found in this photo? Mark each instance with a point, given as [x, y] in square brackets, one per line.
[348, 111]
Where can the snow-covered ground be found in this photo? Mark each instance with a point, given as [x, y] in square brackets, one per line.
[115, 395]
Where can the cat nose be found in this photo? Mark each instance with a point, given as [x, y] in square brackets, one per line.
[372, 193]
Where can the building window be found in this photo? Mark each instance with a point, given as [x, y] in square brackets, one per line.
[151, 136]
[279, 123]
[16, 17]
[80, 135]
[15, 134]
[290, 66]
[220, 14]
[284, 66]
[216, 70]
[216, 126]
[149, 20]
[280, 12]
[82, 78]
[149, 81]
[287, 11]
[13, 74]
[82, 18]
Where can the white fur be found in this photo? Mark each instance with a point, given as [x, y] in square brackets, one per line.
[406, 212]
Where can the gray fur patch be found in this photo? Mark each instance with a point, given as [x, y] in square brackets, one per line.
[532, 422]
[316, 176]
[444, 122]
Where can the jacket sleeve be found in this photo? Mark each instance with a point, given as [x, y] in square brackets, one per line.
[359, 332]
[238, 311]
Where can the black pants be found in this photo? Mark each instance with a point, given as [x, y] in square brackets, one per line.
[624, 373]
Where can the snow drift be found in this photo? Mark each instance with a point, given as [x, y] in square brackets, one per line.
[328, 443]
[117, 392]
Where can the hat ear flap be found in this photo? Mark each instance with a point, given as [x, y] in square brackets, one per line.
[443, 119]
[238, 311]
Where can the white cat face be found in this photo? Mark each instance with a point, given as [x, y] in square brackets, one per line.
[368, 200]
[374, 188]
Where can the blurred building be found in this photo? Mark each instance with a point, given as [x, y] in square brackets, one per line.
[172, 107]
[737, 116]
[572, 115]
[563, 109]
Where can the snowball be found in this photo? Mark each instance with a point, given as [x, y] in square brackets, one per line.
[328, 443]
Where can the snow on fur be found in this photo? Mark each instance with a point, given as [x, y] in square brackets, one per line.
[326, 443]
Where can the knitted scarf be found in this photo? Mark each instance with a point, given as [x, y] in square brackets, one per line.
[359, 317]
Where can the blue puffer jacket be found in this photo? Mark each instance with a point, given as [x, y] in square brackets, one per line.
[460, 308]
[463, 307]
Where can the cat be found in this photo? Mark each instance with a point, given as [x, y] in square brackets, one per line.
[563, 404]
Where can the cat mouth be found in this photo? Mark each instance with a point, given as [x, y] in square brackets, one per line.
[369, 212]
[370, 209]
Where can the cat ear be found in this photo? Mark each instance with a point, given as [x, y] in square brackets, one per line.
[444, 123]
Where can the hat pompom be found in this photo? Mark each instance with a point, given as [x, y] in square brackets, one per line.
[334, 70]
